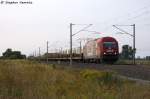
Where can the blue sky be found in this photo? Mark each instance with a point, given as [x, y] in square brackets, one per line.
[27, 27]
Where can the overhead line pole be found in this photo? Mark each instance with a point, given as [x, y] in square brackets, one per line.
[134, 43]
[71, 35]
[39, 53]
[124, 32]
[80, 48]
[71, 44]
[47, 51]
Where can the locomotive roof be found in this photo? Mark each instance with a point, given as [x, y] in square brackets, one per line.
[100, 39]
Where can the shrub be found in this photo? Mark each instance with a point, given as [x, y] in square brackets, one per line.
[102, 77]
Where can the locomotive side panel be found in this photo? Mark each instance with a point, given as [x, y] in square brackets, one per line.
[90, 50]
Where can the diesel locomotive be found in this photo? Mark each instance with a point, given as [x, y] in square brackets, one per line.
[101, 49]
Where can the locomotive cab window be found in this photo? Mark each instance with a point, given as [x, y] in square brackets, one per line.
[110, 45]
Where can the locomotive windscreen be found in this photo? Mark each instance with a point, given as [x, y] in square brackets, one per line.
[110, 45]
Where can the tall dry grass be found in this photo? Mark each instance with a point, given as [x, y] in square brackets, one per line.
[22, 79]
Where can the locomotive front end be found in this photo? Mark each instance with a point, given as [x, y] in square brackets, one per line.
[109, 50]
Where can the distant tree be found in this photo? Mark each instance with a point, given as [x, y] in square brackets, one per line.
[127, 52]
[147, 57]
[9, 54]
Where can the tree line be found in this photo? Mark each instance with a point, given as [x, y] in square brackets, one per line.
[9, 54]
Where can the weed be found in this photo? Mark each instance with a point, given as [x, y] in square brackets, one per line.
[23, 79]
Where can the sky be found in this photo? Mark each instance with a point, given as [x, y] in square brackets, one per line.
[26, 27]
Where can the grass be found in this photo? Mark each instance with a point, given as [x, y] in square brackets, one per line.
[22, 79]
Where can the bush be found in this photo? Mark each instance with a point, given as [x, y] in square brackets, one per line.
[102, 77]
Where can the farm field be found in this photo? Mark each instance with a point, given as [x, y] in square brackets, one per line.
[23, 79]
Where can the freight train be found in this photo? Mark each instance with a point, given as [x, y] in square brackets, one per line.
[99, 50]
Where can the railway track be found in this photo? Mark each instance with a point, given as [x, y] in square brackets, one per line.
[141, 72]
